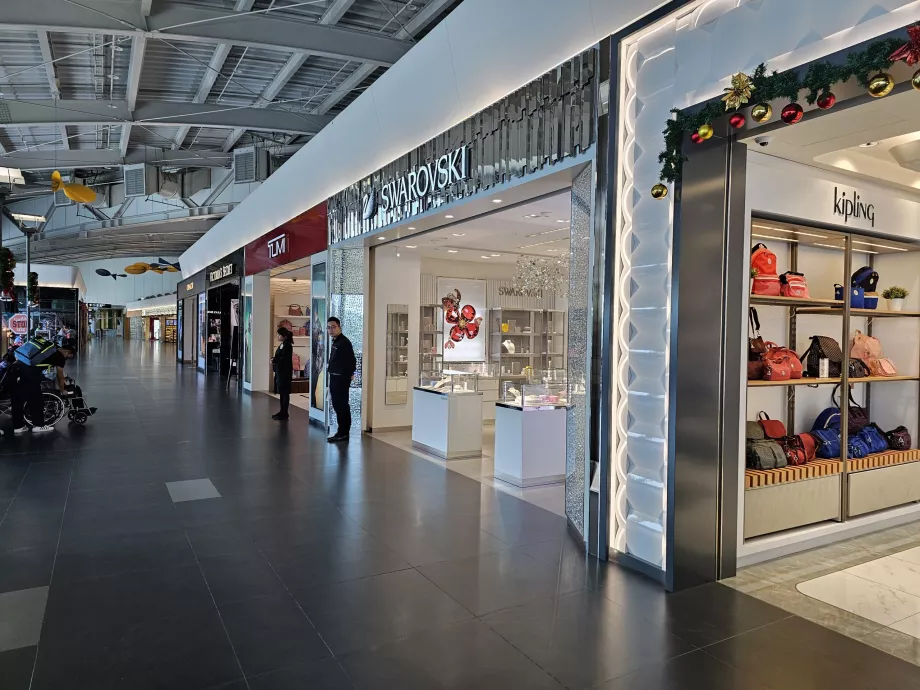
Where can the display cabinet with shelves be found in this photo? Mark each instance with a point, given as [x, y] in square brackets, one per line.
[522, 341]
[794, 498]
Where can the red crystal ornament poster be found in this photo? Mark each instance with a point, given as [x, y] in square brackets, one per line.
[463, 317]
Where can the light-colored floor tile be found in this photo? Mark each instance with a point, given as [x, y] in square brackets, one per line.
[911, 555]
[788, 598]
[21, 614]
[909, 626]
[192, 490]
[892, 572]
[864, 598]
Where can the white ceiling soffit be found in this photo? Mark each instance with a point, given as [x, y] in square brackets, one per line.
[834, 141]
[442, 80]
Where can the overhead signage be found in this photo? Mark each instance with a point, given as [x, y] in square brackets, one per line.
[426, 179]
[852, 207]
[277, 246]
[224, 271]
[505, 291]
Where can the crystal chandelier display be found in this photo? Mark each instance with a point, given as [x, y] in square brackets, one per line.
[537, 273]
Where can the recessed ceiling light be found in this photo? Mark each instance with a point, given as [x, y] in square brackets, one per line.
[868, 145]
[552, 250]
[562, 221]
[496, 201]
[112, 105]
[484, 256]
[412, 228]
[451, 251]
[411, 246]
[459, 234]
[448, 216]
[381, 238]
[496, 254]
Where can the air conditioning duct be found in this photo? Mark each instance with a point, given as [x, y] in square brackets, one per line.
[170, 185]
[250, 164]
[140, 180]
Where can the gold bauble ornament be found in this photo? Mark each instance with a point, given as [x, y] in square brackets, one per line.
[705, 132]
[659, 191]
[761, 112]
[881, 85]
[915, 80]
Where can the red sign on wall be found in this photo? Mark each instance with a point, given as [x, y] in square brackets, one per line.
[19, 324]
[300, 237]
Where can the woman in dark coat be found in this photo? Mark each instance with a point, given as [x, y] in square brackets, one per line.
[283, 364]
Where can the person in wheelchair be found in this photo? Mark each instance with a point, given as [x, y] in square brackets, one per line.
[34, 360]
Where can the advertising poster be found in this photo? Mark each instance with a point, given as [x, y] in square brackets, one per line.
[463, 314]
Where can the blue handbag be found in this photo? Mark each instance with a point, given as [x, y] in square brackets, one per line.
[828, 419]
[857, 447]
[828, 443]
[874, 438]
[865, 278]
[857, 298]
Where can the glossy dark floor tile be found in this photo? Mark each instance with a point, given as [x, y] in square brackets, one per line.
[325, 567]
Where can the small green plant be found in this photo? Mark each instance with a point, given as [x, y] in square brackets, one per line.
[754, 273]
[895, 292]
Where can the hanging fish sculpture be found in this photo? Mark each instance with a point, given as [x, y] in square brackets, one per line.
[73, 190]
[105, 273]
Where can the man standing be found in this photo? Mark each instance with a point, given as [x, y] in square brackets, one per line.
[341, 368]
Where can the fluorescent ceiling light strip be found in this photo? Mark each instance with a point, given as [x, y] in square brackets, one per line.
[795, 232]
[774, 237]
[540, 244]
[880, 246]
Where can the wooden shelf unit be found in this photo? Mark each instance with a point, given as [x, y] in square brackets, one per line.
[830, 382]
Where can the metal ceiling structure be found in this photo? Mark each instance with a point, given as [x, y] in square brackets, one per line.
[93, 84]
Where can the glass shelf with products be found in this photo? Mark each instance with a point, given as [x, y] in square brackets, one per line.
[449, 382]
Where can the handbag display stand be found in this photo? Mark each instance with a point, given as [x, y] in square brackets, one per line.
[780, 500]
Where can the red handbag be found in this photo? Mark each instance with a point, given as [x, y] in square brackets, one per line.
[776, 365]
[808, 444]
[795, 453]
[793, 285]
[772, 428]
[775, 352]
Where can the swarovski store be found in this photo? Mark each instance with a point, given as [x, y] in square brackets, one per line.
[464, 275]
[187, 298]
[797, 182]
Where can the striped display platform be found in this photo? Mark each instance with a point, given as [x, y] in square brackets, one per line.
[755, 479]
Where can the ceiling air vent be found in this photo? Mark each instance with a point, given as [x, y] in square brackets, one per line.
[250, 164]
[140, 180]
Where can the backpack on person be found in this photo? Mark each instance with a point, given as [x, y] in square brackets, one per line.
[35, 351]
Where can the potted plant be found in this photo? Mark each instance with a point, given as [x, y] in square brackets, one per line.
[754, 274]
[895, 296]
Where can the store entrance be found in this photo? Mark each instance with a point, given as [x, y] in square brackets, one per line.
[291, 296]
[221, 327]
[470, 325]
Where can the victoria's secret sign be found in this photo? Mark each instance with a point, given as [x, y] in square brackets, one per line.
[224, 271]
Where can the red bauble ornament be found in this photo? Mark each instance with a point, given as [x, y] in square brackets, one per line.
[696, 138]
[737, 120]
[792, 113]
[827, 101]
[456, 334]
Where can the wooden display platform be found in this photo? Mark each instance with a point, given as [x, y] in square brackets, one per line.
[755, 479]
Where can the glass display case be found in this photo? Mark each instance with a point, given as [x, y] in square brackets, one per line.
[537, 392]
[397, 354]
[449, 381]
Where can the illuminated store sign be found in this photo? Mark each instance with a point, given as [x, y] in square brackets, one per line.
[221, 273]
[277, 246]
[426, 179]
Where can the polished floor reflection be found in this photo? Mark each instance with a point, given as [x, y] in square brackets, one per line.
[184, 540]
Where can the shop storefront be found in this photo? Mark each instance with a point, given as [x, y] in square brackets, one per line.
[465, 274]
[801, 175]
[189, 294]
[285, 285]
[219, 332]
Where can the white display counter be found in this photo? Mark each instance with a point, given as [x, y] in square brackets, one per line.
[530, 444]
[448, 425]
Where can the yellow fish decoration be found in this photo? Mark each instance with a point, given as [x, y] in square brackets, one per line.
[78, 192]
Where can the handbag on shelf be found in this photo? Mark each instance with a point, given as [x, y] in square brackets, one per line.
[823, 347]
[300, 331]
[898, 438]
[874, 438]
[882, 367]
[808, 444]
[295, 359]
[776, 353]
[828, 443]
[766, 282]
[857, 447]
[793, 284]
[756, 344]
[765, 455]
[772, 428]
[753, 431]
[795, 453]
[865, 278]
[295, 310]
[857, 297]
[865, 347]
[858, 416]
[857, 369]
[286, 324]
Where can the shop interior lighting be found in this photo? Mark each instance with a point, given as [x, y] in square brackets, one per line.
[411, 228]
[448, 216]
[562, 221]
[381, 238]
[540, 244]
[451, 251]
[868, 145]
[547, 232]
[834, 246]
[880, 246]
[794, 232]
[495, 254]
[484, 256]
[411, 246]
[496, 201]
[459, 234]
[774, 237]
[28, 218]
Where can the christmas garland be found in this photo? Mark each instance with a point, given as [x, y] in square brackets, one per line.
[7, 268]
[762, 87]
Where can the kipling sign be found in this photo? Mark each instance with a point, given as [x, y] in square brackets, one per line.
[852, 207]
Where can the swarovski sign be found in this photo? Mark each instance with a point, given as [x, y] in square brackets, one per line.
[426, 179]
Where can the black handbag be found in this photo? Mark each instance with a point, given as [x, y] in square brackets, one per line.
[858, 369]
[858, 416]
[823, 347]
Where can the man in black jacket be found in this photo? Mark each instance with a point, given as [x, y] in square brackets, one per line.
[341, 368]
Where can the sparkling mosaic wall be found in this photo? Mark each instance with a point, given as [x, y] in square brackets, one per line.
[576, 458]
[687, 58]
[346, 301]
[542, 123]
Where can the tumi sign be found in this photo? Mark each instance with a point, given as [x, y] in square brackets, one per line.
[297, 239]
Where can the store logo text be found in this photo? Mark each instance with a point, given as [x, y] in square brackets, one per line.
[277, 246]
[221, 272]
[517, 292]
[853, 207]
[426, 179]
